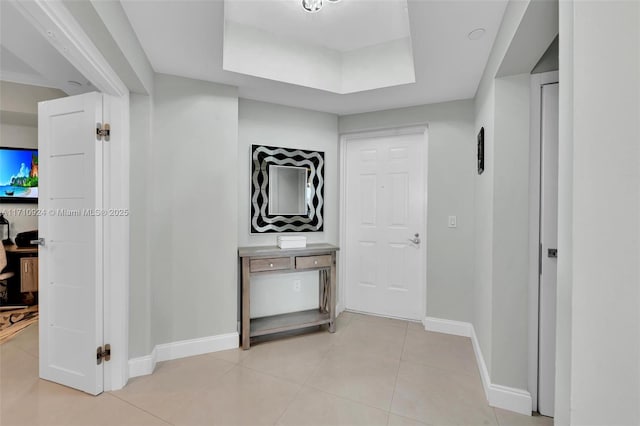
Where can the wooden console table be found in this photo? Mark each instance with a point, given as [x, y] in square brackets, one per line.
[269, 260]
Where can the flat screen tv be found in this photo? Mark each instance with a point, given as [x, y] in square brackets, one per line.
[18, 175]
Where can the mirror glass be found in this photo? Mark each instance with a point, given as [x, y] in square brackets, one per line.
[288, 194]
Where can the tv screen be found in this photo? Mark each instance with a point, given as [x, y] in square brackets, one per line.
[18, 175]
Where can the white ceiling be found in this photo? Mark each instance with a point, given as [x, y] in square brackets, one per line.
[27, 57]
[346, 47]
[186, 39]
[343, 26]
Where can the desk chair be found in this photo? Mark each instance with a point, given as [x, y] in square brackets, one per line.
[4, 276]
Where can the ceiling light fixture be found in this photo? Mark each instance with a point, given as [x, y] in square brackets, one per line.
[74, 83]
[313, 6]
[476, 34]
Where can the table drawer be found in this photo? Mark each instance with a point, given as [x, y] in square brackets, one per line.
[272, 264]
[308, 262]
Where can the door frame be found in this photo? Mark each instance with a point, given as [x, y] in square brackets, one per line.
[418, 129]
[56, 24]
[537, 81]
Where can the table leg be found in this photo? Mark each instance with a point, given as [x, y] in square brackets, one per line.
[246, 319]
[332, 294]
[321, 288]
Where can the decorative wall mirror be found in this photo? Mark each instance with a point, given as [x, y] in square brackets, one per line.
[287, 190]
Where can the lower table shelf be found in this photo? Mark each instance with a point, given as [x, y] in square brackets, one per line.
[289, 321]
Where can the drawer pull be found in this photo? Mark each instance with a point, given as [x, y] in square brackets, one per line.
[271, 265]
[315, 262]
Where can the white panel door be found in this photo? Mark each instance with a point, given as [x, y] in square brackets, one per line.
[385, 209]
[71, 279]
[549, 242]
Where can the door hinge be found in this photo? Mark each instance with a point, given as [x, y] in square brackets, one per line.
[103, 354]
[103, 131]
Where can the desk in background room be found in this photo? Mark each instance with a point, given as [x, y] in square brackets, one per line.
[23, 261]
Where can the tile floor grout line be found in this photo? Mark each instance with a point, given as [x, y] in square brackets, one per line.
[140, 408]
[395, 384]
[355, 401]
[431, 365]
[326, 392]
[300, 388]
[21, 350]
[333, 345]
[344, 397]
[272, 375]
[411, 418]
[445, 369]
[493, 410]
[304, 384]
[324, 356]
[157, 416]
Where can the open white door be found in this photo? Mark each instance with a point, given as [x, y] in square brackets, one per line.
[71, 252]
[548, 244]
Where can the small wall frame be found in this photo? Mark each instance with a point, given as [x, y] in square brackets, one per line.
[313, 161]
[481, 151]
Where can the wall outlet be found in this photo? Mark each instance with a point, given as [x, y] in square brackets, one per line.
[296, 285]
[453, 222]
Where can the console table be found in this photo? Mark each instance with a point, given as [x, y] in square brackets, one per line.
[272, 259]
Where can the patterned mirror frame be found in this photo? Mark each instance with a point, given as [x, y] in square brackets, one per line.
[264, 156]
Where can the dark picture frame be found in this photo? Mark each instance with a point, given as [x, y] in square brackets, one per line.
[262, 157]
[481, 151]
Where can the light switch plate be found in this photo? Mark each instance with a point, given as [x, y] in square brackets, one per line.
[453, 222]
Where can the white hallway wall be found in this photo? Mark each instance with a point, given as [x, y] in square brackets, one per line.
[488, 190]
[501, 317]
[194, 210]
[141, 128]
[598, 338]
[510, 242]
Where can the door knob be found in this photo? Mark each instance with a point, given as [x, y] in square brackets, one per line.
[39, 241]
[415, 239]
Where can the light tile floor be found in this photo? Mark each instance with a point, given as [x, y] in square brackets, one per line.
[372, 371]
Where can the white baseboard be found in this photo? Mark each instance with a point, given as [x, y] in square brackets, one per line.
[512, 399]
[143, 365]
[167, 351]
[482, 366]
[457, 328]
